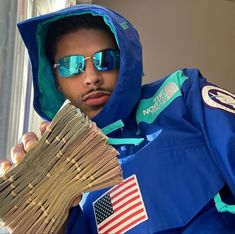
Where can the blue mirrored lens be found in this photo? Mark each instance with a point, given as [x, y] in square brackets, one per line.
[71, 65]
[107, 60]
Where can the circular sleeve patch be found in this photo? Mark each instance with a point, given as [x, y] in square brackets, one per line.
[218, 98]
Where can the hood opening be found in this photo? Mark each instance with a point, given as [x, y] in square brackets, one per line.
[46, 82]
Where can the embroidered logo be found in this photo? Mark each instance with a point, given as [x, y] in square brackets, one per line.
[121, 208]
[124, 25]
[218, 98]
[150, 108]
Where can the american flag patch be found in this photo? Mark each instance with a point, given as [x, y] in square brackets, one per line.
[121, 208]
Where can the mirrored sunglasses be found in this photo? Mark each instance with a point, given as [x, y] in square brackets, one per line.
[104, 60]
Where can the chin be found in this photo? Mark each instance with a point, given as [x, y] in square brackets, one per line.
[94, 112]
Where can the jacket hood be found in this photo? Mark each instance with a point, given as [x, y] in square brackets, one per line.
[47, 100]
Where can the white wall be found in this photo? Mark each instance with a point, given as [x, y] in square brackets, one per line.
[184, 33]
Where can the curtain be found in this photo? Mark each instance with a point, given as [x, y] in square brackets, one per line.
[46, 6]
[7, 40]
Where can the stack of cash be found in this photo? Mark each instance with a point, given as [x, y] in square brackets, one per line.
[71, 157]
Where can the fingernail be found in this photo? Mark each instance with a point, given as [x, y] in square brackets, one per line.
[4, 167]
[30, 145]
[17, 157]
[43, 126]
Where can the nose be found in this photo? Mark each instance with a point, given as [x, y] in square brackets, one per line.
[92, 77]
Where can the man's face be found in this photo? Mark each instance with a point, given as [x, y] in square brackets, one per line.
[91, 89]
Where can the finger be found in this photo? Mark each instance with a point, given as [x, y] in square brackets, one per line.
[17, 153]
[29, 140]
[4, 166]
[43, 126]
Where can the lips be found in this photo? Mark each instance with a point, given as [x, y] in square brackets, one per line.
[96, 98]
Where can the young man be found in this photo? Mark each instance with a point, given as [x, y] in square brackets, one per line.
[177, 145]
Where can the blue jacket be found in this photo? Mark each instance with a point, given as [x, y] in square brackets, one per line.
[184, 148]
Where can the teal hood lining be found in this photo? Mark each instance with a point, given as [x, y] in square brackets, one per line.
[50, 98]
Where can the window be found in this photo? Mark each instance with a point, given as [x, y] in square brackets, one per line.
[17, 114]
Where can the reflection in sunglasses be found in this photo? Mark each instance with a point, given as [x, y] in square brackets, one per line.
[105, 60]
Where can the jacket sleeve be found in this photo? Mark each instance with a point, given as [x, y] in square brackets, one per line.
[77, 223]
[212, 109]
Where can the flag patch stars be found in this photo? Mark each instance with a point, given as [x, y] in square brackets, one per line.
[121, 208]
[218, 98]
[103, 208]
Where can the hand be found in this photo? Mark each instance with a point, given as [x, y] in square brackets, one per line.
[18, 152]
[29, 140]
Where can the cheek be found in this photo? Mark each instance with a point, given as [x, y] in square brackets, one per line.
[71, 88]
[111, 79]
[114, 81]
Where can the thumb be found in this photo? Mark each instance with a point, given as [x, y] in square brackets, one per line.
[76, 201]
[43, 126]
